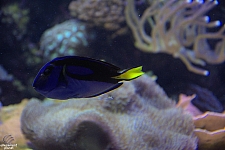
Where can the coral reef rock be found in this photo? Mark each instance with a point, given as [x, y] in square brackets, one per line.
[210, 130]
[136, 116]
[10, 132]
[108, 15]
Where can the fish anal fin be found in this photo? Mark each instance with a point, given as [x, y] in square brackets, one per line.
[107, 90]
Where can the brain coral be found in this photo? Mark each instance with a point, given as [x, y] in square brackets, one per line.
[68, 38]
[136, 116]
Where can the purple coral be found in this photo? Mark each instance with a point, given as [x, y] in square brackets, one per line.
[149, 120]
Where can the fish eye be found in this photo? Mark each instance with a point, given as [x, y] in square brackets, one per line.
[48, 70]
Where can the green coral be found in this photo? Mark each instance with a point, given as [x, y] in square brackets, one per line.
[16, 17]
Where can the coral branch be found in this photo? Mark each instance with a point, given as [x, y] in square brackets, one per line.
[178, 28]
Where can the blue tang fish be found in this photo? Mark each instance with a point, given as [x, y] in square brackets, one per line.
[80, 77]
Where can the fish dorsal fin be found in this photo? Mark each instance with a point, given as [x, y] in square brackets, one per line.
[130, 74]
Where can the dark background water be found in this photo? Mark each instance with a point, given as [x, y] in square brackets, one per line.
[16, 56]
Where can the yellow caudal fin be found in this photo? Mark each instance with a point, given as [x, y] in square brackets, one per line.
[130, 74]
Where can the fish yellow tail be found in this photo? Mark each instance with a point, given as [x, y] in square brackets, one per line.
[130, 74]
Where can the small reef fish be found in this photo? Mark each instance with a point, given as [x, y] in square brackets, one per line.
[80, 77]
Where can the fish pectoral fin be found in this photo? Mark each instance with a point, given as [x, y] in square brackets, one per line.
[130, 74]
